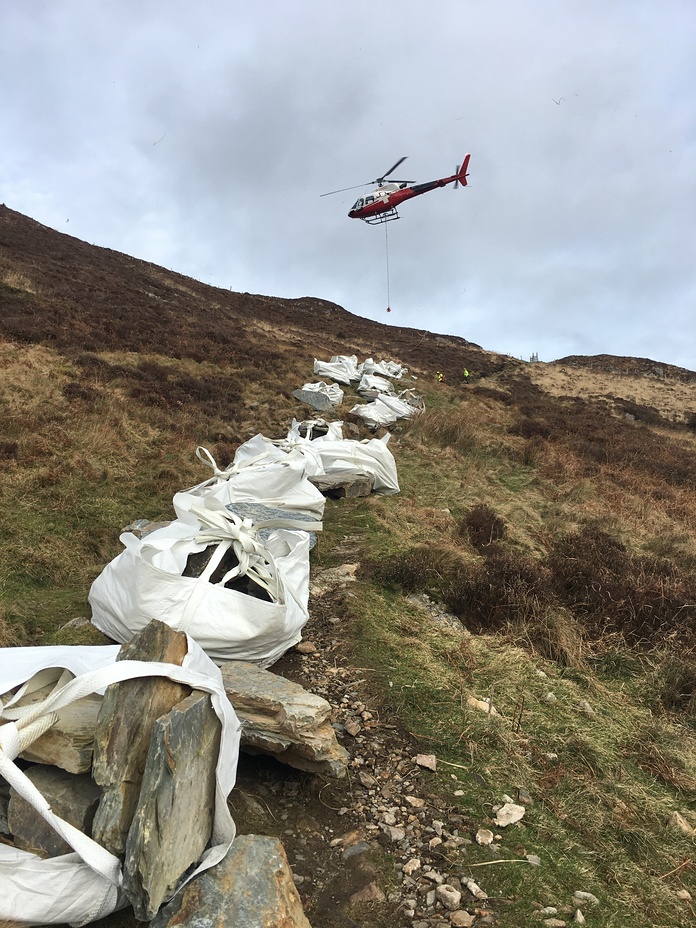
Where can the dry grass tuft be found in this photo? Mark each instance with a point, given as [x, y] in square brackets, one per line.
[656, 749]
[16, 280]
[9, 638]
[554, 634]
[445, 428]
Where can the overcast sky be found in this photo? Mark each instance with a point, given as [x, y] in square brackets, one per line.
[200, 135]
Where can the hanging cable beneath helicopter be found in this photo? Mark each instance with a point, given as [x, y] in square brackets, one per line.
[386, 247]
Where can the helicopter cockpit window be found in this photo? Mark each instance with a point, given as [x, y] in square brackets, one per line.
[369, 200]
[359, 203]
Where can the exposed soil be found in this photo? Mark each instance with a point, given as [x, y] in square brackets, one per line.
[330, 829]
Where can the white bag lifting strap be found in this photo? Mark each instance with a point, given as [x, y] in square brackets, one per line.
[23, 725]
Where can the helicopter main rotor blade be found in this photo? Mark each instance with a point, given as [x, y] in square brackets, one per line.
[391, 169]
[354, 187]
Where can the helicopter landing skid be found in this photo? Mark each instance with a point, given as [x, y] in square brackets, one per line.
[388, 216]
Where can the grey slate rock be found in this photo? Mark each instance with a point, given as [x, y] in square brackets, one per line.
[124, 727]
[173, 822]
[283, 719]
[72, 797]
[340, 484]
[141, 528]
[252, 887]
[258, 512]
[4, 802]
[197, 562]
[313, 398]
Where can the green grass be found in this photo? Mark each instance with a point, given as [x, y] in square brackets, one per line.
[598, 818]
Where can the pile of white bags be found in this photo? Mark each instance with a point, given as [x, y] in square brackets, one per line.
[345, 368]
[86, 885]
[150, 579]
[145, 582]
[261, 472]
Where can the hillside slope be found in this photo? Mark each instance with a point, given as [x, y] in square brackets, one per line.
[547, 513]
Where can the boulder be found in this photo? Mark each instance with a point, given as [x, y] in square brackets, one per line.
[141, 528]
[251, 887]
[316, 400]
[281, 718]
[343, 484]
[173, 821]
[124, 728]
[72, 797]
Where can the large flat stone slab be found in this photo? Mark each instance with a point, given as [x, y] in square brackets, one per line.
[343, 484]
[72, 797]
[173, 822]
[283, 719]
[69, 744]
[313, 398]
[251, 888]
[124, 729]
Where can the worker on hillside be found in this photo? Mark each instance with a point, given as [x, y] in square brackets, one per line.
[440, 376]
[465, 375]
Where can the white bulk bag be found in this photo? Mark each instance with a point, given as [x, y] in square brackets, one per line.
[144, 582]
[371, 382]
[86, 885]
[371, 456]
[383, 368]
[385, 410]
[334, 432]
[342, 368]
[330, 390]
[259, 473]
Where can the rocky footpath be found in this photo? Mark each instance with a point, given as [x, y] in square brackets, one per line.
[390, 844]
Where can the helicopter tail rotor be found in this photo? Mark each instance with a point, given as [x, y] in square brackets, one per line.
[461, 173]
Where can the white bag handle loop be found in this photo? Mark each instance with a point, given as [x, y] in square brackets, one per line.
[11, 745]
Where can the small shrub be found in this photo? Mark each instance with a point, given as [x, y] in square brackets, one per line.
[644, 598]
[8, 449]
[554, 633]
[530, 428]
[673, 684]
[74, 391]
[423, 569]
[482, 526]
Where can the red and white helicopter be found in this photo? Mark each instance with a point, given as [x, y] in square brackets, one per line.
[380, 204]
